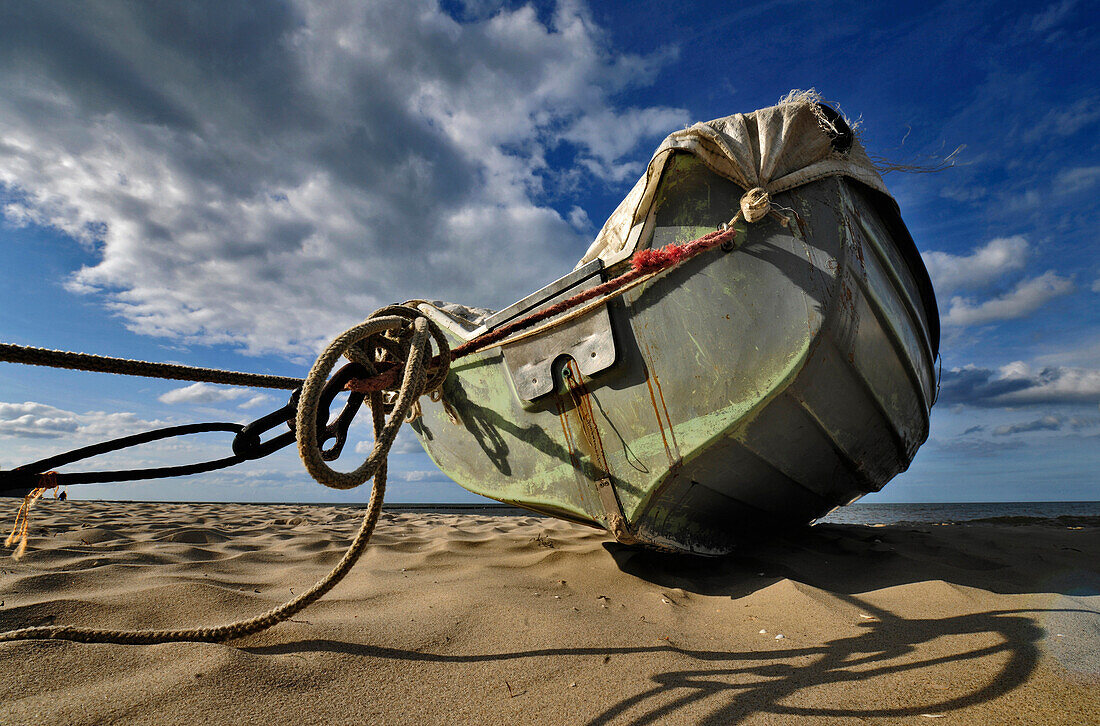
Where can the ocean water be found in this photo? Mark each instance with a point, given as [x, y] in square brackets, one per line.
[959, 512]
[1083, 513]
[858, 513]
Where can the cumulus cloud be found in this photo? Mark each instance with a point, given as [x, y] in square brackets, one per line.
[420, 475]
[264, 174]
[977, 447]
[608, 136]
[980, 268]
[31, 420]
[202, 393]
[1077, 423]
[405, 443]
[580, 221]
[260, 399]
[205, 393]
[1018, 384]
[1046, 423]
[1025, 298]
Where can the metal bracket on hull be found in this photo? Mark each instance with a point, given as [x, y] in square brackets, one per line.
[587, 340]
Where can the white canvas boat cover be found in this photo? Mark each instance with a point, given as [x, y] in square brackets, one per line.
[777, 148]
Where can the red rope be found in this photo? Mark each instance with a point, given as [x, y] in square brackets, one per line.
[643, 263]
[380, 382]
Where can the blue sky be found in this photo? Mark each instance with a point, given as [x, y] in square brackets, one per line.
[231, 185]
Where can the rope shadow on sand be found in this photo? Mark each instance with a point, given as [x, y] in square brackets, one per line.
[742, 683]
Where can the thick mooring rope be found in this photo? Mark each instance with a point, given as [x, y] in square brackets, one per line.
[393, 335]
[359, 341]
[10, 353]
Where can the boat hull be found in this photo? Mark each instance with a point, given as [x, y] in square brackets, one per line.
[751, 388]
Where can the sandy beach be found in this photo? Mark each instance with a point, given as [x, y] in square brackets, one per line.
[471, 618]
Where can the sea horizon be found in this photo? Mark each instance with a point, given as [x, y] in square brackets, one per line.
[856, 513]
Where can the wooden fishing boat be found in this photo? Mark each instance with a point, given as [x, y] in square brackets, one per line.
[758, 385]
[759, 381]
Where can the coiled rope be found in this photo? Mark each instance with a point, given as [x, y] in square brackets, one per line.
[358, 341]
[392, 335]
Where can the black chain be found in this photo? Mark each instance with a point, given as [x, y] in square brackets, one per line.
[247, 444]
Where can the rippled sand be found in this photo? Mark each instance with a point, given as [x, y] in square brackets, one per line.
[465, 618]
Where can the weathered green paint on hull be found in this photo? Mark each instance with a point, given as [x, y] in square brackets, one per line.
[759, 386]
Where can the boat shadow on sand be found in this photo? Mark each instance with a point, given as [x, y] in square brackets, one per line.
[843, 560]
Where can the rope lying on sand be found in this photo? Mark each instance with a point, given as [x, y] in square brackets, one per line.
[401, 337]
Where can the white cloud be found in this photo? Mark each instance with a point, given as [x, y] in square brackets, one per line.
[420, 475]
[1019, 384]
[1017, 370]
[265, 177]
[1025, 298]
[32, 420]
[965, 193]
[581, 222]
[610, 135]
[203, 393]
[981, 267]
[1046, 423]
[1077, 179]
[1096, 285]
[1057, 384]
[1078, 423]
[260, 399]
[405, 443]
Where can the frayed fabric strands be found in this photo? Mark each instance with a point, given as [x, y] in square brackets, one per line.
[21, 530]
